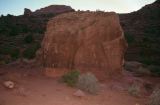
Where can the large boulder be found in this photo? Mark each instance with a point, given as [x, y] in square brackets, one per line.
[85, 41]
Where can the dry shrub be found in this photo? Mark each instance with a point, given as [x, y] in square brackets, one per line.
[155, 97]
[88, 82]
[134, 90]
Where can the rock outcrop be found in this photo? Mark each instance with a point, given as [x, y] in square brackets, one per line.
[53, 9]
[27, 12]
[50, 10]
[87, 41]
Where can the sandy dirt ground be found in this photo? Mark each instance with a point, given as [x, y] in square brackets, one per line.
[33, 88]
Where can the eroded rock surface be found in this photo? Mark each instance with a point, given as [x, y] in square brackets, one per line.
[86, 41]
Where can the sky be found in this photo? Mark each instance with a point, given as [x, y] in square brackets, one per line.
[16, 7]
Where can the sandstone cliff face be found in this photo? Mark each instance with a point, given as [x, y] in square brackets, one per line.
[86, 41]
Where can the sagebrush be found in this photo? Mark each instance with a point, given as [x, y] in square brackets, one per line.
[134, 90]
[155, 97]
[88, 82]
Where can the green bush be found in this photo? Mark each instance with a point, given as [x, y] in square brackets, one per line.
[155, 97]
[48, 15]
[29, 39]
[25, 29]
[154, 69]
[149, 45]
[5, 59]
[14, 30]
[145, 60]
[30, 51]
[10, 50]
[71, 78]
[88, 82]
[130, 38]
[15, 54]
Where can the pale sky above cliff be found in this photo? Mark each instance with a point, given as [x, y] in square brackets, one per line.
[16, 7]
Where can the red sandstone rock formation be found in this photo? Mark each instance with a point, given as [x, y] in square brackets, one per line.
[52, 9]
[86, 41]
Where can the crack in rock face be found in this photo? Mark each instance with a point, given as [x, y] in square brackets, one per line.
[85, 41]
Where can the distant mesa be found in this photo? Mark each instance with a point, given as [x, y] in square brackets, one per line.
[52, 9]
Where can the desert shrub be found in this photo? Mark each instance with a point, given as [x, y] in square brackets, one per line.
[149, 45]
[29, 38]
[25, 29]
[30, 51]
[88, 82]
[49, 15]
[154, 69]
[1, 16]
[5, 49]
[15, 54]
[155, 97]
[130, 38]
[2, 62]
[71, 77]
[9, 16]
[143, 70]
[147, 60]
[134, 90]
[150, 56]
[10, 50]
[38, 30]
[5, 59]
[14, 30]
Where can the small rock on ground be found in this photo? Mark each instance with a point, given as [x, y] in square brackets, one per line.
[9, 84]
[79, 93]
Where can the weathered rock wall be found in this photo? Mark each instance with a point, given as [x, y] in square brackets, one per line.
[86, 41]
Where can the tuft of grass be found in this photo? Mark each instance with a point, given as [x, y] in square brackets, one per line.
[71, 78]
[134, 90]
[88, 82]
